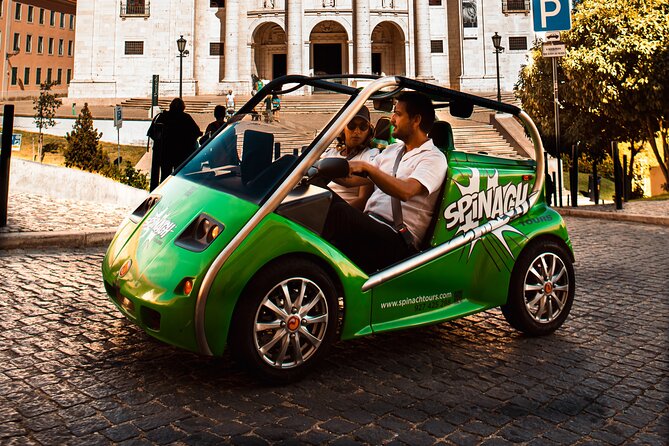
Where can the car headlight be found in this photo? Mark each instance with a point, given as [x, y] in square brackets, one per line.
[144, 208]
[199, 234]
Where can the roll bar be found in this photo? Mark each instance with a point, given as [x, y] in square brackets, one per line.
[375, 89]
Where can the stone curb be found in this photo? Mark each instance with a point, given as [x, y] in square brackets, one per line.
[56, 239]
[617, 216]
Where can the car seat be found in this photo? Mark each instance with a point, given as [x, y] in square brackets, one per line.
[442, 137]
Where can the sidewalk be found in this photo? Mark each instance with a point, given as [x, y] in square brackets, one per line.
[36, 221]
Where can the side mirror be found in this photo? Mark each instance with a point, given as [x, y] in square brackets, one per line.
[461, 109]
[332, 167]
[385, 104]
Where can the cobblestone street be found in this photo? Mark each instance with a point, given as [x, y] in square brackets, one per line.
[72, 370]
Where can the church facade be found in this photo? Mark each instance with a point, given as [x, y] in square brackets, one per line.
[121, 45]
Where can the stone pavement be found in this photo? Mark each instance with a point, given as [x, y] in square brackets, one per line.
[74, 371]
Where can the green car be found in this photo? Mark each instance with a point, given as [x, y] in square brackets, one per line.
[227, 252]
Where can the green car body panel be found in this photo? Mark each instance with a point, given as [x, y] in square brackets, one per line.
[150, 258]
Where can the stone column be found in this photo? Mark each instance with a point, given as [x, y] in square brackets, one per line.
[422, 29]
[294, 14]
[231, 44]
[362, 36]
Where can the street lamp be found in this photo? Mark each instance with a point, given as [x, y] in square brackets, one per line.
[181, 45]
[496, 42]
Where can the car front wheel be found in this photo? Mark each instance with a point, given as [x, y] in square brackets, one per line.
[286, 320]
[542, 287]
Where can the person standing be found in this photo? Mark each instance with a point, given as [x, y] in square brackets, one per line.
[407, 177]
[217, 123]
[178, 139]
[230, 103]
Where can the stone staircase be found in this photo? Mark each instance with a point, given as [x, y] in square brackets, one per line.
[476, 137]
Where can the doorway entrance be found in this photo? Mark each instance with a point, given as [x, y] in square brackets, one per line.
[376, 63]
[279, 65]
[327, 58]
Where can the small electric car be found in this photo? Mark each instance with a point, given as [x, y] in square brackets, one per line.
[227, 252]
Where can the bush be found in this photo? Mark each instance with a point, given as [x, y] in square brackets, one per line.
[83, 145]
[126, 175]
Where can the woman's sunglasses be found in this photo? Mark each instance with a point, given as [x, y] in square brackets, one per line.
[363, 126]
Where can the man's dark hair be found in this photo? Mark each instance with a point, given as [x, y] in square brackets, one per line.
[418, 104]
[177, 105]
[219, 112]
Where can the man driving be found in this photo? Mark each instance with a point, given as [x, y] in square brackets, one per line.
[407, 177]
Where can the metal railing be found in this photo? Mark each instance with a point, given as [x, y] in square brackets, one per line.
[515, 6]
[135, 9]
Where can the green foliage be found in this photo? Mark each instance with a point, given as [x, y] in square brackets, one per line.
[83, 144]
[126, 175]
[45, 106]
[51, 147]
[614, 81]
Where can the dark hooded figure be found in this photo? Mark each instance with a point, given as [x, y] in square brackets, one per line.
[178, 138]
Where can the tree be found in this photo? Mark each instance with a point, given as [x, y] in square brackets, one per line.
[83, 144]
[45, 107]
[614, 81]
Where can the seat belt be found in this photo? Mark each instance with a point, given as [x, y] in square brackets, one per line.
[398, 219]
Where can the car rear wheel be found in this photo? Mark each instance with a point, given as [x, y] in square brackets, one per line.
[286, 320]
[541, 292]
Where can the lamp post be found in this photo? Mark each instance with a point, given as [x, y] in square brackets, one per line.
[181, 45]
[496, 42]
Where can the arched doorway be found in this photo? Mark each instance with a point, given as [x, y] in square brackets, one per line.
[269, 51]
[388, 54]
[328, 48]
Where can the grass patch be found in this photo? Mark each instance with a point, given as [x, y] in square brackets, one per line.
[606, 187]
[29, 149]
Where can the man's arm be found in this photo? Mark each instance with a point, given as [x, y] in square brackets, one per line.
[395, 187]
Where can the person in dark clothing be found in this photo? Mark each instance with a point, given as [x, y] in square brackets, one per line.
[219, 114]
[178, 138]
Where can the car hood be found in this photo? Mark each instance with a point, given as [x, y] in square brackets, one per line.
[151, 246]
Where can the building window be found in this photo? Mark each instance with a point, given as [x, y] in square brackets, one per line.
[515, 6]
[69, 48]
[29, 43]
[71, 21]
[216, 48]
[62, 20]
[59, 76]
[216, 3]
[435, 2]
[41, 16]
[40, 45]
[15, 75]
[48, 75]
[38, 76]
[52, 18]
[436, 46]
[69, 76]
[17, 12]
[60, 47]
[50, 45]
[135, 8]
[134, 47]
[17, 42]
[31, 14]
[26, 76]
[517, 43]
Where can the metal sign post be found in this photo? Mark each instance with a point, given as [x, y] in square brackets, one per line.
[118, 123]
[5, 158]
[551, 16]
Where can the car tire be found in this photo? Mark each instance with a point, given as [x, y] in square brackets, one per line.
[541, 291]
[277, 334]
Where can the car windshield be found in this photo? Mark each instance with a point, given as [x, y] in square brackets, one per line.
[250, 156]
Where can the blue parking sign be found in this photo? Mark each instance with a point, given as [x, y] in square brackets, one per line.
[551, 15]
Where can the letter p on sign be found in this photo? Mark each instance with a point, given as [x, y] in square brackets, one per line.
[551, 15]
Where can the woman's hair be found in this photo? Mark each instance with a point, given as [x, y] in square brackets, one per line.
[177, 105]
